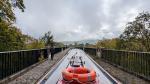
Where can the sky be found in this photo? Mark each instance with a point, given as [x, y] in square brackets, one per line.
[73, 20]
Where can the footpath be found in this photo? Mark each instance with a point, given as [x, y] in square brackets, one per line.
[34, 74]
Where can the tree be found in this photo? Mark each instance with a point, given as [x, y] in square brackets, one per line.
[6, 9]
[59, 44]
[32, 43]
[137, 31]
[107, 43]
[36, 44]
[87, 44]
[48, 39]
[75, 44]
[81, 45]
[11, 38]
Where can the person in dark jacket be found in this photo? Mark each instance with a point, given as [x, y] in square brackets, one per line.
[47, 52]
[52, 52]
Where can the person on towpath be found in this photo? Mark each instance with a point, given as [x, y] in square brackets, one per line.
[52, 52]
[48, 53]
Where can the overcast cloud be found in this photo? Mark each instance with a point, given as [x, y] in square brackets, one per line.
[71, 20]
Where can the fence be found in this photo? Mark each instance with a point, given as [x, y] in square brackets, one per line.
[134, 62]
[13, 61]
[91, 51]
[137, 63]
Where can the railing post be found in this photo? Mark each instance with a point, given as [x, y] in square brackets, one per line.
[1, 66]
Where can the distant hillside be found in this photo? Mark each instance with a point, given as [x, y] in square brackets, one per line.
[80, 42]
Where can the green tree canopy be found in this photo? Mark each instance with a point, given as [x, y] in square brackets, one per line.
[6, 9]
[11, 38]
[137, 31]
[107, 43]
[48, 39]
[32, 43]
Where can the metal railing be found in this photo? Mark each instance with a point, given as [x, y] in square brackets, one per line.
[14, 61]
[134, 62]
[91, 51]
[137, 63]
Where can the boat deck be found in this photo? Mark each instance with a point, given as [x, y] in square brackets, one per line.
[54, 75]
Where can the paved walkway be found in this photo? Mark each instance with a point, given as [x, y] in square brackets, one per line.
[33, 75]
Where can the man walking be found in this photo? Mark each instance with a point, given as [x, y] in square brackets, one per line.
[52, 52]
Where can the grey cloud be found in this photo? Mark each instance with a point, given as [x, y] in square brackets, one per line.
[78, 19]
